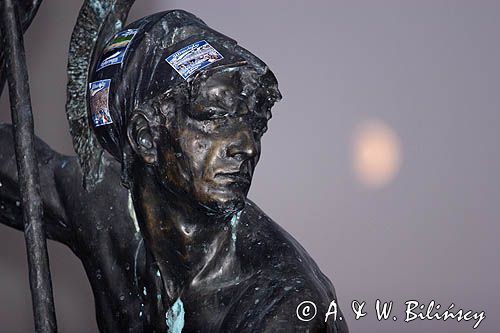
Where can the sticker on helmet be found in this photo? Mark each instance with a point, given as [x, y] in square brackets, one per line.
[193, 58]
[99, 99]
[115, 52]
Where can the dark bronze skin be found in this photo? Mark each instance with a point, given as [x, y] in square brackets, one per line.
[251, 280]
[209, 153]
[183, 242]
[193, 180]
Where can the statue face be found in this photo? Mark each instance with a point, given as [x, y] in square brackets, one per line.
[209, 153]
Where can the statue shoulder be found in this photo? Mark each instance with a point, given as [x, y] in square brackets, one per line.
[69, 174]
[101, 207]
[272, 249]
[260, 234]
[282, 276]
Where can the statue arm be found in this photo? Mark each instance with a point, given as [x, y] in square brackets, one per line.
[57, 226]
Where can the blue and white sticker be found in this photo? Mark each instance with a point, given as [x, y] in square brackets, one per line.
[99, 99]
[115, 52]
[193, 58]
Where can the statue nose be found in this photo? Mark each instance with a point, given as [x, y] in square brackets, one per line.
[243, 147]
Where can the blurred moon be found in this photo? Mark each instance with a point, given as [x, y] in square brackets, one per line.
[376, 153]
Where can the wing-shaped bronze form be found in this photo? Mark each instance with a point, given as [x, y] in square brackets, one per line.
[97, 22]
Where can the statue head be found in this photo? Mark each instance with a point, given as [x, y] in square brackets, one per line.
[186, 102]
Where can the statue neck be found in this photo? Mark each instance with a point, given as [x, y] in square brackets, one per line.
[190, 247]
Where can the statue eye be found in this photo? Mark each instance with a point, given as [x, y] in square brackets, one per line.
[215, 112]
[204, 112]
[213, 124]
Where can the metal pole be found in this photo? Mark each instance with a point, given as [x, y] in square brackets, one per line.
[26, 18]
[22, 118]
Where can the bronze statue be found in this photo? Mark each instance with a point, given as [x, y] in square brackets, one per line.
[180, 110]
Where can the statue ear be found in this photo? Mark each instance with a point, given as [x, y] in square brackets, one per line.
[141, 138]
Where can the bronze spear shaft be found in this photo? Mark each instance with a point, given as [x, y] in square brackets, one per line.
[29, 187]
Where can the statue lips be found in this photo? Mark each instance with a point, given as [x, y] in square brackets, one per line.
[237, 177]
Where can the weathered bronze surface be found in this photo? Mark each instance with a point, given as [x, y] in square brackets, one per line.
[179, 246]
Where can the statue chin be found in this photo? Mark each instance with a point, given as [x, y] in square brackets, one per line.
[220, 200]
[224, 208]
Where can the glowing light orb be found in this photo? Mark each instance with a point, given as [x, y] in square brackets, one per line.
[376, 153]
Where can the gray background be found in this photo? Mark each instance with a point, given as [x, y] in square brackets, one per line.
[427, 69]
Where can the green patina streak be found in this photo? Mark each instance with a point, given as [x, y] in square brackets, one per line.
[175, 317]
